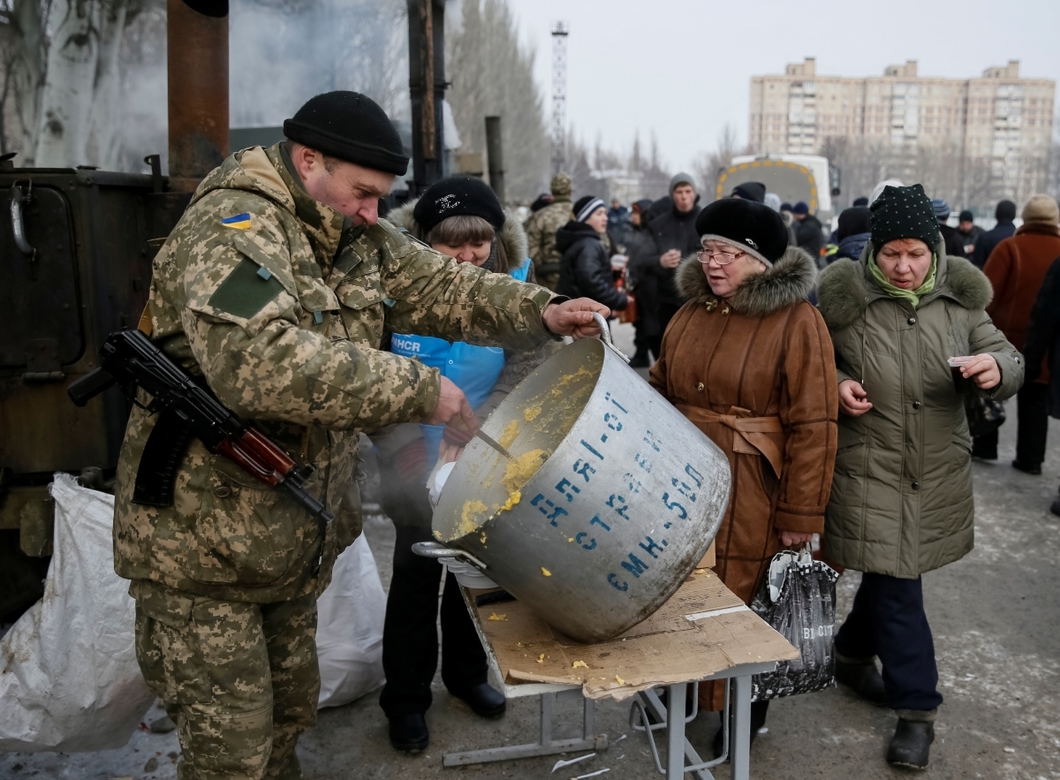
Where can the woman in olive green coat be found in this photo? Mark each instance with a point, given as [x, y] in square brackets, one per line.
[901, 501]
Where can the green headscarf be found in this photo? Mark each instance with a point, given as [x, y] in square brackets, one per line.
[913, 296]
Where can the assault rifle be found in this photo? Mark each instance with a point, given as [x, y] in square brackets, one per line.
[185, 409]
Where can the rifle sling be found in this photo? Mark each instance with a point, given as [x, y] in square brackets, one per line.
[162, 454]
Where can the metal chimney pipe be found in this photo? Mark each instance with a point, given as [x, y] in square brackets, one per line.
[197, 51]
[494, 147]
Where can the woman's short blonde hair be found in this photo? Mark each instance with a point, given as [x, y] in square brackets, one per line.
[463, 228]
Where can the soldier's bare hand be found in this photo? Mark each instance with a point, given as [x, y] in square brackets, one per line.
[453, 409]
[574, 318]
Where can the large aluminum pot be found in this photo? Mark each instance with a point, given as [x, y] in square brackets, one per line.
[610, 500]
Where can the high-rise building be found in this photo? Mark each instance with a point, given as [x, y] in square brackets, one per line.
[997, 129]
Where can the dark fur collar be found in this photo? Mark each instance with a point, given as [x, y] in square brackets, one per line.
[512, 234]
[789, 281]
[846, 287]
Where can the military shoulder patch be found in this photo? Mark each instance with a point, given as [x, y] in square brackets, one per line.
[246, 290]
[237, 221]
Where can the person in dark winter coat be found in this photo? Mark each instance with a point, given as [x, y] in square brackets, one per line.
[954, 245]
[853, 233]
[809, 234]
[984, 245]
[901, 502]
[1016, 269]
[674, 232]
[461, 218]
[585, 271]
[749, 362]
[1042, 347]
[640, 248]
[968, 231]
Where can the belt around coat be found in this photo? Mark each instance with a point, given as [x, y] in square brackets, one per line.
[750, 435]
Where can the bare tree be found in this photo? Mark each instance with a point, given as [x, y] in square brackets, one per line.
[708, 165]
[23, 49]
[492, 75]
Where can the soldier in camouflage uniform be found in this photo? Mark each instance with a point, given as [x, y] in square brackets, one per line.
[541, 232]
[276, 287]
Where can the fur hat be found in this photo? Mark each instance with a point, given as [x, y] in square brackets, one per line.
[753, 227]
[904, 212]
[1041, 208]
[351, 127]
[458, 196]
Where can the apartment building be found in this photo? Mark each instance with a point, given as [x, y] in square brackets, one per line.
[1001, 125]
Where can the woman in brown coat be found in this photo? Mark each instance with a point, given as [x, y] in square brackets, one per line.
[750, 362]
[1016, 269]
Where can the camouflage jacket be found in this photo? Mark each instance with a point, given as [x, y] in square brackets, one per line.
[281, 304]
[541, 233]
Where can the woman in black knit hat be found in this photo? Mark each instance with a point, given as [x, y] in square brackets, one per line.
[911, 340]
[462, 218]
[585, 270]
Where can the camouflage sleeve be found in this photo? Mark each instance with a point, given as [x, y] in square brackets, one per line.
[434, 296]
[262, 361]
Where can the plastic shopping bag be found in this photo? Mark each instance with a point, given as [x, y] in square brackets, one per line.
[69, 679]
[350, 628]
[798, 600]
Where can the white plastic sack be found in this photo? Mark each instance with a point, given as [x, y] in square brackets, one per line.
[350, 628]
[69, 679]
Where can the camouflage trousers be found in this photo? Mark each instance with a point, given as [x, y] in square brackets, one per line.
[240, 680]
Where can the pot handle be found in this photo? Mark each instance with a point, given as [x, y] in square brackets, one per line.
[437, 550]
[605, 335]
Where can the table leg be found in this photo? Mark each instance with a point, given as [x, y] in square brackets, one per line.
[675, 731]
[741, 732]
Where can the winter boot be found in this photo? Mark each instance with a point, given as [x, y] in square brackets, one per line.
[912, 739]
[862, 677]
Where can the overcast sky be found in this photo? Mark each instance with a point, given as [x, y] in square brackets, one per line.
[683, 67]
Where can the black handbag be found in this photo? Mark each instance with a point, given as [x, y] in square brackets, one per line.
[985, 415]
[797, 599]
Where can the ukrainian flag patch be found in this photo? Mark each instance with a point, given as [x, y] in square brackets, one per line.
[237, 221]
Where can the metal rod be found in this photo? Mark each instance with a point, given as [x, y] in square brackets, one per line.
[495, 153]
[197, 50]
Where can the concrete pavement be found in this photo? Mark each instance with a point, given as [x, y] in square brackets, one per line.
[996, 620]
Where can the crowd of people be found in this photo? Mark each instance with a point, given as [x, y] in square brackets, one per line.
[859, 355]
[833, 371]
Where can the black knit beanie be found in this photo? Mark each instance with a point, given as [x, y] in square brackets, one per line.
[457, 196]
[855, 220]
[351, 127]
[1005, 210]
[904, 212]
[753, 227]
[750, 190]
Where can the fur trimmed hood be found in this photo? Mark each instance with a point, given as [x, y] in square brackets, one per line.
[512, 234]
[847, 288]
[789, 280]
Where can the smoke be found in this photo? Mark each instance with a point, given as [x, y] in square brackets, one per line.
[281, 53]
